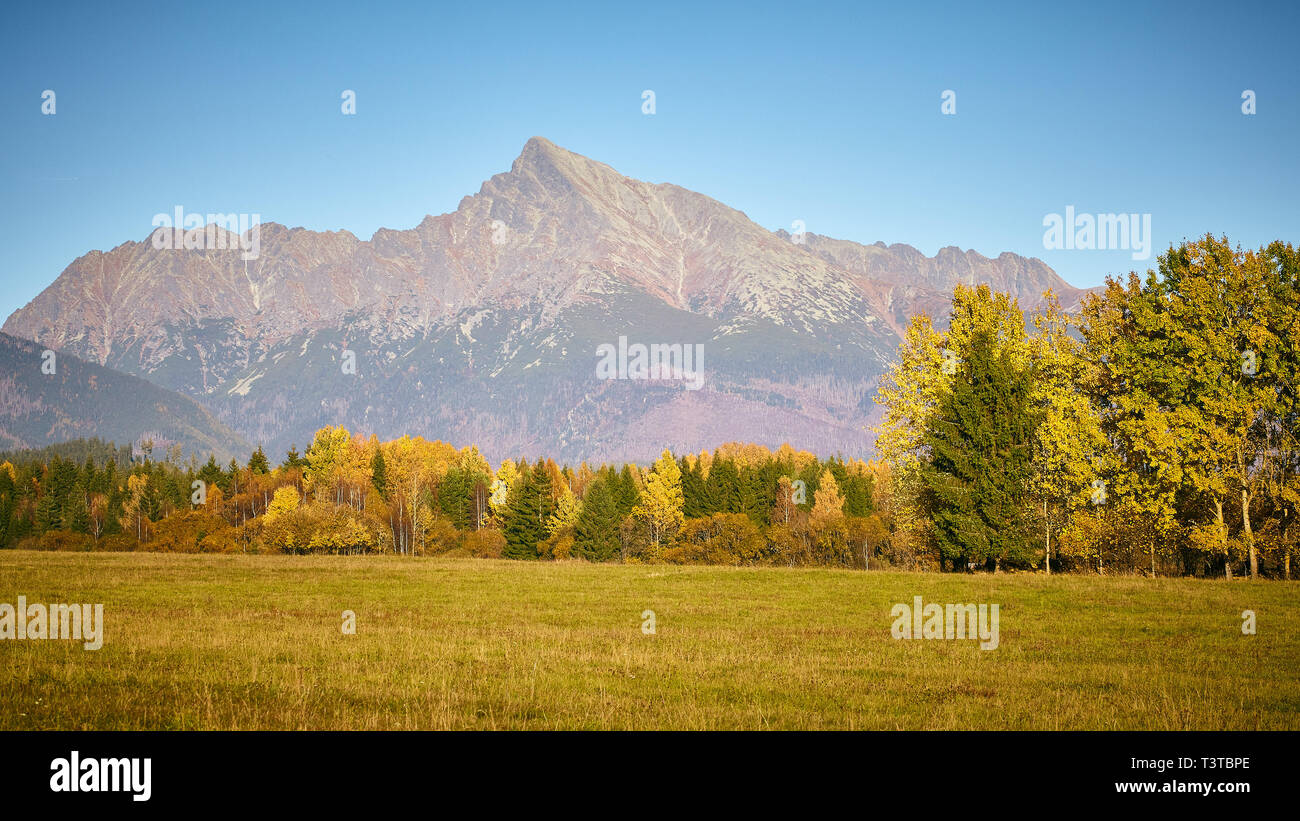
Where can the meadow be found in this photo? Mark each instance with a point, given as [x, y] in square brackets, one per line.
[256, 642]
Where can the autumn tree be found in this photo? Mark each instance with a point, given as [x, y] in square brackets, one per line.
[1069, 444]
[135, 516]
[566, 511]
[326, 461]
[827, 520]
[660, 506]
[722, 538]
[1190, 370]
[505, 478]
[284, 501]
[1278, 428]
[786, 509]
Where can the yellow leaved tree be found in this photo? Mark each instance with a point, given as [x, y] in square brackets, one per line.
[661, 502]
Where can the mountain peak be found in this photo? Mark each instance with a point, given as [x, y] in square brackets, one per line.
[541, 151]
[558, 169]
[540, 144]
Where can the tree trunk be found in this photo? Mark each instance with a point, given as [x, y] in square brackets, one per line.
[1047, 544]
[1248, 533]
[1223, 529]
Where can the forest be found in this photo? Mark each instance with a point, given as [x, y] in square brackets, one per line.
[1155, 432]
[741, 504]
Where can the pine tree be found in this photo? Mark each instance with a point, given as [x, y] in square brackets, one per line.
[60, 478]
[856, 488]
[229, 478]
[980, 443]
[453, 498]
[109, 481]
[76, 513]
[6, 502]
[724, 494]
[543, 490]
[379, 473]
[49, 514]
[625, 492]
[257, 464]
[211, 473]
[530, 505]
[6, 515]
[758, 483]
[693, 489]
[596, 534]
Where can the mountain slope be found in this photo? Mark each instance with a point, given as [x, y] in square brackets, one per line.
[81, 400]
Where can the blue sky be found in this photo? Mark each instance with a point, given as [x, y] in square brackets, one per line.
[826, 113]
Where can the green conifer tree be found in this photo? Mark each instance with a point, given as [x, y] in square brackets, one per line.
[257, 464]
[596, 534]
[379, 473]
[981, 453]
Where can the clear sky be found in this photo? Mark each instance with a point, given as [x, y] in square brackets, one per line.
[827, 113]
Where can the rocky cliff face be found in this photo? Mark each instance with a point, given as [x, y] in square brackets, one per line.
[483, 324]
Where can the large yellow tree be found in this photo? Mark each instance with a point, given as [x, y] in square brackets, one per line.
[661, 502]
[1069, 444]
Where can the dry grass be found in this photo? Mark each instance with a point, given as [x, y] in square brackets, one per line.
[254, 642]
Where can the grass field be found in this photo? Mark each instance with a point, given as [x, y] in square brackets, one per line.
[255, 642]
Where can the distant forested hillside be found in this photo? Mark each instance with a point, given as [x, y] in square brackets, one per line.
[47, 397]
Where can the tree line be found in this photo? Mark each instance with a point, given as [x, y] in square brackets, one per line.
[740, 504]
[1157, 431]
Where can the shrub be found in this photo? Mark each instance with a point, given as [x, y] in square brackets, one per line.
[184, 532]
[483, 544]
[60, 540]
[441, 537]
[559, 545]
[723, 538]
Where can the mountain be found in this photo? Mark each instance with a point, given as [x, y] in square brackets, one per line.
[50, 397]
[484, 325]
